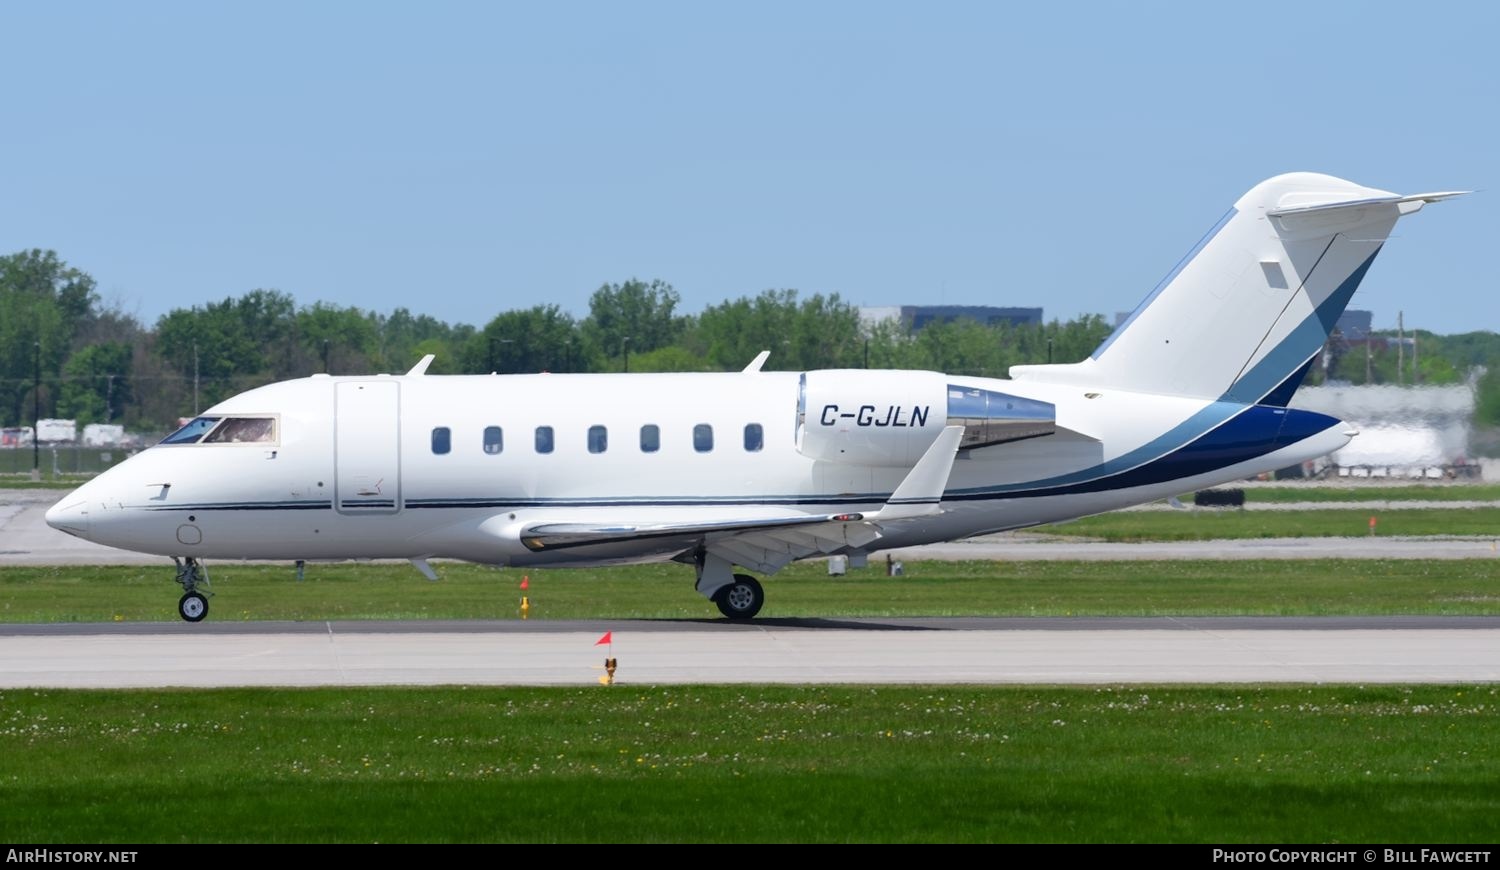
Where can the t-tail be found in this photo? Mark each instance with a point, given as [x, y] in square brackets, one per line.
[1244, 315]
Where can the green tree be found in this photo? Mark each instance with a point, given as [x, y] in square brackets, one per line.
[96, 383]
[537, 339]
[404, 338]
[965, 346]
[232, 345]
[634, 313]
[816, 332]
[42, 303]
[342, 340]
[672, 358]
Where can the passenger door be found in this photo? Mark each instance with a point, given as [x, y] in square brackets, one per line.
[367, 458]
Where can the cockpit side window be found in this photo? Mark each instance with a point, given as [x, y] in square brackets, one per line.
[193, 432]
[243, 430]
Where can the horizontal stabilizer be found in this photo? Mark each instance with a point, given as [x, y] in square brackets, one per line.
[1418, 199]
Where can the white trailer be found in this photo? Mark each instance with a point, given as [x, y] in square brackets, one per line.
[103, 435]
[55, 431]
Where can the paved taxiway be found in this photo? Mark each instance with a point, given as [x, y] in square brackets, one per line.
[972, 650]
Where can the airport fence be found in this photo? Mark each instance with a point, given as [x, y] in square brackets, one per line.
[64, 460]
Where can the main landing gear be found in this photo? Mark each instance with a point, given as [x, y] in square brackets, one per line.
[193, 605]
[739, 596]
[741, 599]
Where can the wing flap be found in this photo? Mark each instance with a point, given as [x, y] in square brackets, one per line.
[768, 543]
[553, 536]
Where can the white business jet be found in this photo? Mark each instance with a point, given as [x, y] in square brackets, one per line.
[757, 469]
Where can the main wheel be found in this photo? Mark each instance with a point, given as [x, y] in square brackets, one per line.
[741, 599]
[192, 607]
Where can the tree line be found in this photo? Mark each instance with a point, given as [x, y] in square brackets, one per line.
[99, 364]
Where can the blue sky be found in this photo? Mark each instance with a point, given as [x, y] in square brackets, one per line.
[462, 159]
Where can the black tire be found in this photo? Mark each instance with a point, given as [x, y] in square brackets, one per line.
[192, 607]
[741, 599]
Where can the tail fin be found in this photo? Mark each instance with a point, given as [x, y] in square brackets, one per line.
[1244, 314]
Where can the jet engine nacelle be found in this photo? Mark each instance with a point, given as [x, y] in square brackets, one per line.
[883, 418]
[890, 418]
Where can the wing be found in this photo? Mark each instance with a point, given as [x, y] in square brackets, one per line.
[768, 543]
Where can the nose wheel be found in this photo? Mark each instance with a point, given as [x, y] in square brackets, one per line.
[193, 605]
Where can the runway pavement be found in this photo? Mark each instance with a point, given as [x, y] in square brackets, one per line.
[1098, 650]
[965, 650]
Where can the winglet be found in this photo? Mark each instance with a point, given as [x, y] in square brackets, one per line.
[760, 360]
[421, 367]
[421, 564]
[922, 490]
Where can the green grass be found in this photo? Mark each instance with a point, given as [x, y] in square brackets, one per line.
[1228, 523]
[1271, 587]
[1295, 492]
[738, 764]
[47, 482]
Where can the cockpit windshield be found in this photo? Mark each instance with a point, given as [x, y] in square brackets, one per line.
[192, 432]
[243, 430]
[225, 430]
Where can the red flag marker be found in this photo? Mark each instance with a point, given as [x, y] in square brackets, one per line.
[526, 581]
[608, 638]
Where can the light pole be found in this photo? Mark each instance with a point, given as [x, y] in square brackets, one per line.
[494, 370]
[625, 348]
[195, 379]
[36, 415]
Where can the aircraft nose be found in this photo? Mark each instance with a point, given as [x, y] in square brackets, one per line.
[69, 515]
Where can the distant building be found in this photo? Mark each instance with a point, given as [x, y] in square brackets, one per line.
[1403, 431]
[918, 316]
[1355, 325]
[870, 315]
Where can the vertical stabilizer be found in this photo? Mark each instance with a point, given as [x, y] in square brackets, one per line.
[1243, 315]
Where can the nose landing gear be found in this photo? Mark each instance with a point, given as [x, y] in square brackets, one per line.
[193, 605]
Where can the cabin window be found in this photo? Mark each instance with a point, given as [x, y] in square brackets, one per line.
[193, 432]
[703, 437]
[598, 439]
[442, 440]
[755, 437]
[544, 439]
[650, 438]
[494, 440]
[243, 430]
